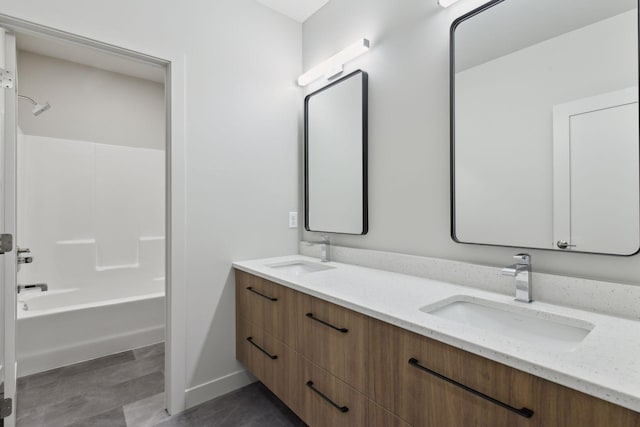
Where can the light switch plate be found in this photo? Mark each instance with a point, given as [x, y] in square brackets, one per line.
[293, 219]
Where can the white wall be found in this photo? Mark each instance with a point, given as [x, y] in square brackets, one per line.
[92, 214]
[89, 104]
[409, 133]
[513, 134]
[235, 155]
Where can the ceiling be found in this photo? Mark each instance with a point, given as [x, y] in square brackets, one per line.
[89, 56]
[517, 24]
[299, 10]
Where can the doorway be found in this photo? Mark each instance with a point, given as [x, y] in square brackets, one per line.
[92, 219]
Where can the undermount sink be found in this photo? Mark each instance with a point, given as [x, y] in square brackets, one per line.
[298, 268]
[519, 323]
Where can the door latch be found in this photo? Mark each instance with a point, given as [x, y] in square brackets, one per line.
[6, 406]
[6, 243]
[6, 78]
[563, 244]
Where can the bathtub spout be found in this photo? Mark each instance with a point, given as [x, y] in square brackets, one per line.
[42, 286]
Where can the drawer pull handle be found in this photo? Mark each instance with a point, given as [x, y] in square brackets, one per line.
[250, 289]
[342, 409]
[524, 412]
[272, 357]
[341, 330]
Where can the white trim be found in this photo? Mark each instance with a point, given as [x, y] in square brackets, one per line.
[218, 387]
[9, 188]
[175, 90]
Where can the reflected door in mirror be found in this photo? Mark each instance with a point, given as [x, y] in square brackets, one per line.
[545, 126]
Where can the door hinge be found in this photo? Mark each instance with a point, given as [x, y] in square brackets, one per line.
[6, 243]
[6, 78]
[6, 406]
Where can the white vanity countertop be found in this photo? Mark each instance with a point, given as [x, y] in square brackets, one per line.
[606, 364]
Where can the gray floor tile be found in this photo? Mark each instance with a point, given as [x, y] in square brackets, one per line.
[146, 412]
[90, 382]
[113, 418]
[39, 379]
[253, 405]
[149, 351]
[90, 402]
[88, 389]
[126, 389]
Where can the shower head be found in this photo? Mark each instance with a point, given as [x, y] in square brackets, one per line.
[40, 108]
[37, 107]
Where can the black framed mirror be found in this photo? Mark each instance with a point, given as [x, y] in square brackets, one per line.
[544, 126]
[335, 156]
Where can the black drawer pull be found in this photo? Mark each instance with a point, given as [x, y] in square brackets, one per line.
[250, 289]
[341, 330]
[324, 396]
[272, 357]
[524, 412]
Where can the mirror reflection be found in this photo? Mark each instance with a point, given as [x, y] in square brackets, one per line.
[545, 126]
[336, 157]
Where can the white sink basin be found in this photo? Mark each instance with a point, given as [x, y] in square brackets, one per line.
[298, 268]
[530, 326]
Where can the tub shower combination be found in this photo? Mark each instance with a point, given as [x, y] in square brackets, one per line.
[93, 217]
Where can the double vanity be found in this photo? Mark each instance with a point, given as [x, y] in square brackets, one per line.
[544, 156]
[344, 345]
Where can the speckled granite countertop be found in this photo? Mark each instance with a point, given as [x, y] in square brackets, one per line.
[605, 365]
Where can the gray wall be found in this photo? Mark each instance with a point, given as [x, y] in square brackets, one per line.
[89, 104]
[409, 133]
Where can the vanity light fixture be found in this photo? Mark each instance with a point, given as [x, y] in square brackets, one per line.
[446, 3]
[334, 65]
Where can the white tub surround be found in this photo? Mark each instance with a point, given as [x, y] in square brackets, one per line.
[92, 214]
[604, 364]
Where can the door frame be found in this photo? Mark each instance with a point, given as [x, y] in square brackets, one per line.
[175, 195]
[8, 223]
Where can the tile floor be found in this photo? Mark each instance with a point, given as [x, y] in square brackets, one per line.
[126, 390]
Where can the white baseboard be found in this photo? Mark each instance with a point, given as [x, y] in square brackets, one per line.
[32, 363]
[218, 387]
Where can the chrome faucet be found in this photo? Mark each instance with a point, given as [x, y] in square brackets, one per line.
[42, 286]
[326, 243]
[521, 270]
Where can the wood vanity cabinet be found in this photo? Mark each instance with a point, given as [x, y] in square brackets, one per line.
[270, 360]
[326, 401]
[335, 339]
[267, 304]
[431, 384]
[335, 367]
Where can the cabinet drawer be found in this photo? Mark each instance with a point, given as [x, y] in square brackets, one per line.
[432, 384]
[266, 304]
[327, 401]
[335, 339]
[380, 417]
[270, 360]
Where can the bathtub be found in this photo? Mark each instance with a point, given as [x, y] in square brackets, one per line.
[69, 325]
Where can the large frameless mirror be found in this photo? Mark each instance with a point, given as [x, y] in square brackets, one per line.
[336, 157]
[545, 125]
